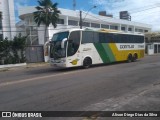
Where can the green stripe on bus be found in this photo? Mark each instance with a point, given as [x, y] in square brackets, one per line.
[109, 52]
[102, 52]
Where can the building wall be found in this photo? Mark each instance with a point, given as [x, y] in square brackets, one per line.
[70, 19]
[8, 19]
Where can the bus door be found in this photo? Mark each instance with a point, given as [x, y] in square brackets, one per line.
[73, 53]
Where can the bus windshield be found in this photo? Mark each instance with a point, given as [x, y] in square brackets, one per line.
[60, 36]
[55, 47]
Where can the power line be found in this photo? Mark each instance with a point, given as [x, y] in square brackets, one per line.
[145, 9]
[150, 13]
[140, 10]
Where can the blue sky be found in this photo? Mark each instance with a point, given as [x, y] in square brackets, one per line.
[144, 11]
[67, 4]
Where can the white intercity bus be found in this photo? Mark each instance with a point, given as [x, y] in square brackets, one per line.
[86, 47]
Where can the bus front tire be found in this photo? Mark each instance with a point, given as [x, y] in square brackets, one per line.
[87, 62]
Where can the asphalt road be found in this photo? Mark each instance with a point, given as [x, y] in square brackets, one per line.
[121, 86]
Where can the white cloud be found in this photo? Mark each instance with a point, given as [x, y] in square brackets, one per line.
[144, 11]
[20, 3]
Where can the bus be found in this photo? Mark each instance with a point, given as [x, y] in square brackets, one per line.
[86, 47]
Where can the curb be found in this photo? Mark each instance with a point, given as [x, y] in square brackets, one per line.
[4, 68]
[13, 65]
[31, 65]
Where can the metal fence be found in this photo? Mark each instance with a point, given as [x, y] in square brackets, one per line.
[35, 53]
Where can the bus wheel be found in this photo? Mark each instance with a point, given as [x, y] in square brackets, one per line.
[87, 62]
[129, 59]
[135, 57]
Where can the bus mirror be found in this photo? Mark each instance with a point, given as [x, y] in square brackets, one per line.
[63, 42]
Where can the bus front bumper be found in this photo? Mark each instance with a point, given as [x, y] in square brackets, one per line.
[60, 63]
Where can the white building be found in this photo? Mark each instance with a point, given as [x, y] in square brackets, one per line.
[70, 19]
[7, 19]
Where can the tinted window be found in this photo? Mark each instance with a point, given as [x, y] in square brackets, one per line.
[73, 43]
[109, 38]
[122, 38]
[102, 38]
[90, 37]
[87, 37]
[60, 36]
[96, 37]
[106, 38]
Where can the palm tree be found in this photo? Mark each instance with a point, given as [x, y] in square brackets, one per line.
[47, 13]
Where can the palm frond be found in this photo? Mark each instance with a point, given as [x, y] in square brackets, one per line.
[47, 13]
[39, 8]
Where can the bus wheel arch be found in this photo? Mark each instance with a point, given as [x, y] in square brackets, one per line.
[87, 62]
[129, 58]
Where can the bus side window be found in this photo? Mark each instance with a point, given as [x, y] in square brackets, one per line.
[96, 37]
[87, 37]
[102, 38]
[110, 38]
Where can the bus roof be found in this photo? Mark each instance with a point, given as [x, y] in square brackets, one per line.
[102, 30]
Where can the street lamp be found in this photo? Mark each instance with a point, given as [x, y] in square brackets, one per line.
[81, 20]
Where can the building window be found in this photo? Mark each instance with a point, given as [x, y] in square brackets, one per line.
[95, 25]
[73, 22]
[145, 31]
[86, 24]
[114, 27]
[60, 21]
[123, 28]
[104, 26]
[138, 30]
[129, 29]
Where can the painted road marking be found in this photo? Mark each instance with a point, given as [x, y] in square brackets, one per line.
[47, 76]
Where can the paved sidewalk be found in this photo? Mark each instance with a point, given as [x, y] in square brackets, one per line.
[28, 65]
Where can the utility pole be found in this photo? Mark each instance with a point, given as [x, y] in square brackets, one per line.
[74, 5]
[80, 21]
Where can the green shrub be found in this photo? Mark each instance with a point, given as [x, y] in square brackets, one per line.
[12, 52]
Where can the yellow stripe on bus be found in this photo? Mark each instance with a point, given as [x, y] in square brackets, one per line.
[123, 55]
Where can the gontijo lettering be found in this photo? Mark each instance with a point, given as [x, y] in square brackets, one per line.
[126, 46]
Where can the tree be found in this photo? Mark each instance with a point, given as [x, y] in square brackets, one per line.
[13, 51]
[47, 13]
